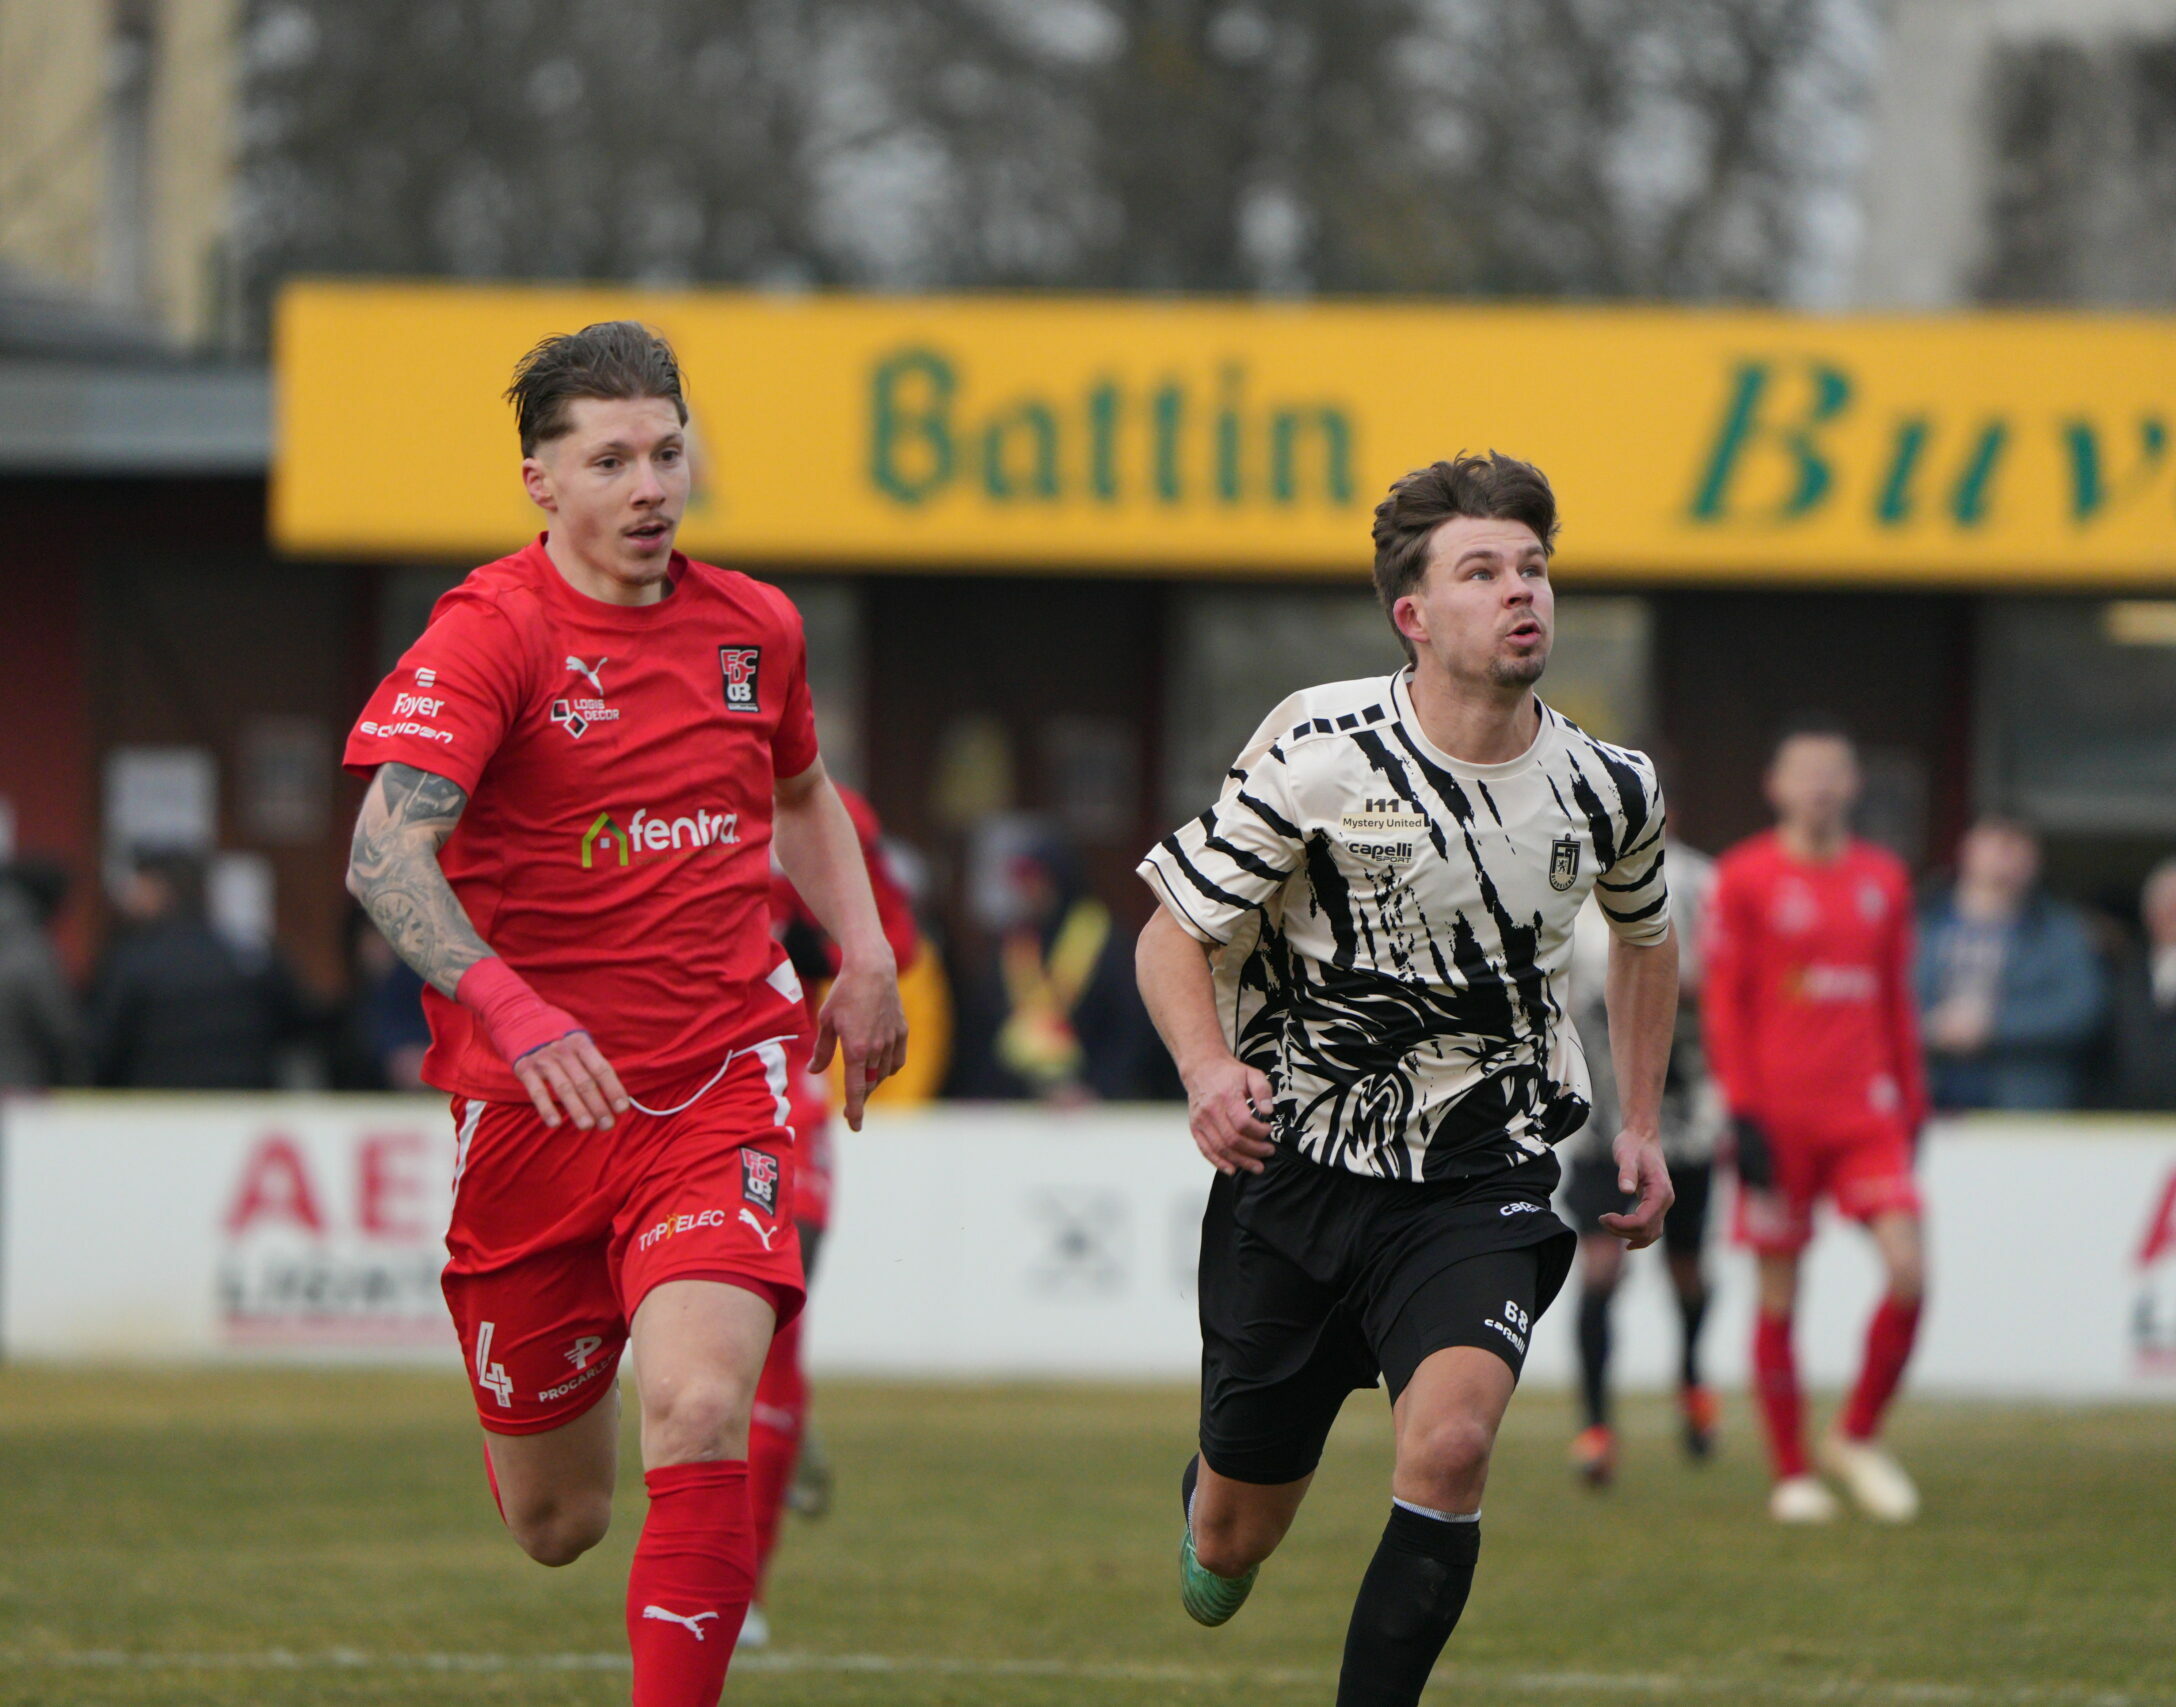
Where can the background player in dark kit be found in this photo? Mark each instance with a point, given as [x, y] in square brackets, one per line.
[1693, 1118]
[1356, 967]
[590, 755]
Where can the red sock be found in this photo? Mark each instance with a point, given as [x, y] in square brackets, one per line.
[774, 1438]
[693, 1574]
[1889, 1339]
[1775, 1379]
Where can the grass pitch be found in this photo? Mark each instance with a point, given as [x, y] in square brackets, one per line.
[274, 1538]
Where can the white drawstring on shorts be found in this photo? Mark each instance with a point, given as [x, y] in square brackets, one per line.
[723, 1067]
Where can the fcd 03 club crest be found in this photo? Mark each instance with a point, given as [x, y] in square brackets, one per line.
[1563, 862]
[738, 665]
[759, 1175]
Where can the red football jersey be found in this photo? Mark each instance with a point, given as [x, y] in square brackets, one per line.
[811, 1094]
[619, 763]
[893, 910]
[1806, 1000]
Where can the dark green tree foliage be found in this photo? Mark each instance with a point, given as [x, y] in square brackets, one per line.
[1669, 148]
[2083, 202]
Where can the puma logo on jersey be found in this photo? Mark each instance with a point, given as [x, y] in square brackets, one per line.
[589, 670]
[692, 1624]
[763, 1233]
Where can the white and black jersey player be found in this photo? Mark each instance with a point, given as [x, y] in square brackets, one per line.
[1358, 967]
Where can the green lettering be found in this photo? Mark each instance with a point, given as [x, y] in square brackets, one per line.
[1969, 502]
[1894, 506]
[1334, 428]
[2090, 489]
[910, 439]
[1035, 423]
[1103, 442]
[1227, 433]
[1168, 412]
[1743, 427]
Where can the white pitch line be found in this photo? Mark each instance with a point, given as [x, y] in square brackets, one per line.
[1455, 1677]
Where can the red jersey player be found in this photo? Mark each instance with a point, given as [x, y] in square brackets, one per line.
[780, 1418]
[579, 774]
[1810, 1029]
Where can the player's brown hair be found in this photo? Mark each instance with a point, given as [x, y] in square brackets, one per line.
[612, 359]
[1494, 487]
[1812, 725]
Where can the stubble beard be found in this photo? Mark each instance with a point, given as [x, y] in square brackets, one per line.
[1517, 672]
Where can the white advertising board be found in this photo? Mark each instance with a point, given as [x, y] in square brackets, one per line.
[988, 1242]
[151, 1226]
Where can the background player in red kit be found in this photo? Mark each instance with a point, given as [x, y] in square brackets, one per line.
[1810, 1028]
[580, 772]
[778, 1431]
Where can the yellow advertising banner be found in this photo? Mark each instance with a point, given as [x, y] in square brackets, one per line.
[1191, 437]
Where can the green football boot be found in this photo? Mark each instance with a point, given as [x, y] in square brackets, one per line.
[1208, 1598]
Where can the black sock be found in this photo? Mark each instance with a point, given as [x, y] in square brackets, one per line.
[1594, 1352]
[1691, 1312]
[1409, 1604]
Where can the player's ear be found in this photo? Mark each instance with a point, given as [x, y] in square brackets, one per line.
[1406, 616]
[536, 478]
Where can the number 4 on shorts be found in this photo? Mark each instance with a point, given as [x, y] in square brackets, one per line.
[492, 1376]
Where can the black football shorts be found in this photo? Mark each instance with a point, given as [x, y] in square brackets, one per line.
[1315, 1281]
[1590, 1192]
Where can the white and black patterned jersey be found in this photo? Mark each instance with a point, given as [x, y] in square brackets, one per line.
[1394, 925]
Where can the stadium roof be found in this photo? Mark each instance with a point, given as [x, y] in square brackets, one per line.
[86, 388]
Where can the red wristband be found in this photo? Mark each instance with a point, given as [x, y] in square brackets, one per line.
[514, 1017]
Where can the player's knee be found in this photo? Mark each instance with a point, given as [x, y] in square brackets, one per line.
[559, 1529]
[1908, 1277]
[695, 1420]
[1447, 1458]
[1233, 1546]
[1778, 1288]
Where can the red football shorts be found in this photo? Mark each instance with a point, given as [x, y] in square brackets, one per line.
[1864, 1167]
[559, 1234]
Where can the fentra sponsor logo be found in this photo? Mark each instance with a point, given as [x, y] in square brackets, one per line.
[607, 842]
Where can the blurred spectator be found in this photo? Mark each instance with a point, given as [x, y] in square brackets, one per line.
[178, 1006]
[383, 1033]
[2145, 1028]
[41, 1037]
[2009, 986]
[1053, 1011]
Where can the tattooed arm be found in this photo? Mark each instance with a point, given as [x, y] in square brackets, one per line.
[393, 871]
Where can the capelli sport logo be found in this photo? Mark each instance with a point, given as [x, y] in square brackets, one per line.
[607, 842]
